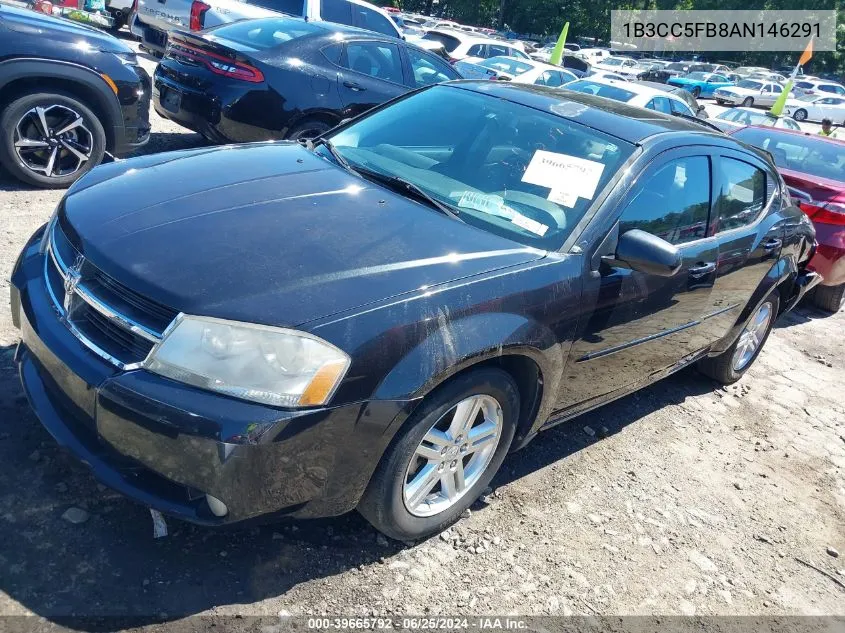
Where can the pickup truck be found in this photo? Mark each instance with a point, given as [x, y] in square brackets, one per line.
[154, 19]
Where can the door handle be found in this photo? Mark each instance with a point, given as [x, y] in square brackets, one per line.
[771, 244]
[702, 270]
[354, 86]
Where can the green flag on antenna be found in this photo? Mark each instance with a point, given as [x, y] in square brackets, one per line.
[557, 53]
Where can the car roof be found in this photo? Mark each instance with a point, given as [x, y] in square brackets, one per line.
[629, 123]
[637, 88]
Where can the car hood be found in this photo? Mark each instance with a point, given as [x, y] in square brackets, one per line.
[269, 233]
[59, 29]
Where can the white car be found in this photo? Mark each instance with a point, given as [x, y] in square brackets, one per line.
[815, 107]
[768, 77]
[593, 55]
[749, 92]
[460, 45]
[602, 74]
[624, 66]
[633, 94]
[520, 71]
[744, 71]
[820, 86]
[740, 117]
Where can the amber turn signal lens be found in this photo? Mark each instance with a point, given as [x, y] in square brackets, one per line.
[322, 384]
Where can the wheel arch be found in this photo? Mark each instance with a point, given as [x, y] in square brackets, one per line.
[324, 116]
[25, 76]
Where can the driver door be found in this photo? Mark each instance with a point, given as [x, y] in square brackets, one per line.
[641, 324]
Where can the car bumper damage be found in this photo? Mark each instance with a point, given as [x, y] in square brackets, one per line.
[169, 446]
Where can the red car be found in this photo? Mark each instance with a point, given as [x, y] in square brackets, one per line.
[813, 167]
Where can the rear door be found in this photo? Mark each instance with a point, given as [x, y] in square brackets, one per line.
[371, 73]
[749, 237]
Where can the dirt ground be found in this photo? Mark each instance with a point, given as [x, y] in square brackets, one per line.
[685, 498]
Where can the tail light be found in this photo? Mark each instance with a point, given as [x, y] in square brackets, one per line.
[198, 9]
[218, 64]
[826, 212]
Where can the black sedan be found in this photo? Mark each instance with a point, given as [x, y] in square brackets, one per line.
[284, 78]
[375, 319]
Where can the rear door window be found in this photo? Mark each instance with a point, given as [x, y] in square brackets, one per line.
[376, 59]
[476, 50]
[742, 194]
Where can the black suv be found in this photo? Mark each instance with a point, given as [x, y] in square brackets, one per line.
[68, 94]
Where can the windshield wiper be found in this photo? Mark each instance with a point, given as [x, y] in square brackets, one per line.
[690, 117]
[310, 145]
[407, 187]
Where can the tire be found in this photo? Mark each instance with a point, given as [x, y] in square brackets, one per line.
[308, 128]
[723, 368]
[384, 502]
[20, 122]
[829, 298]
[720, 102]
[696, 92]
[748, 102]
[120, 19]
[800, 115]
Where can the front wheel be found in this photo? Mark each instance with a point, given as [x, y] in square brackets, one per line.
[308, 129]
[829, 298]
[730, 365]
[696, 92]
[444, 457]
[748, 102]
[800, 115]
[50, 140]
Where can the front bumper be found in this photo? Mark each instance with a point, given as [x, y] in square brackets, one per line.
[167, 445]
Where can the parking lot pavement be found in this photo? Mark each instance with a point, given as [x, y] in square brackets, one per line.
[683, 498]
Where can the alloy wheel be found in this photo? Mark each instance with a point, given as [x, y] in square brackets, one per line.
[452, 455]
[800, 115]
[752, 336]
[53, 140]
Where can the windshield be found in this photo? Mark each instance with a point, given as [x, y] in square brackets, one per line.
[602, 90]
[807, 154]
[697, 76]
[747, 117]
[676, 66]
[751, 85]
[611, 61]
[506, 64]
[509, 169]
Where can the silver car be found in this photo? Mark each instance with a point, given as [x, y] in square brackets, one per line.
[749, 92]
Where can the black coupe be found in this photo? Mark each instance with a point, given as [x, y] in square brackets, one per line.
[375, 319]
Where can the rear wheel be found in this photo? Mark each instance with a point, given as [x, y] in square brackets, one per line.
[730, 365]
[748, 102]
[309, 128]
[800, 115]
[50, 140]
[829, 298]
[444, 457]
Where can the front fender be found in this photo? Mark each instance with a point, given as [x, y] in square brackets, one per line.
[452, 346]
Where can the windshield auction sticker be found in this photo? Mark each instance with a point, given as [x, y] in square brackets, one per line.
[657, 31]
[562, 172]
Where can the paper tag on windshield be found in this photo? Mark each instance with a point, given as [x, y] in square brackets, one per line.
[566, 198]
[529, 225]
[486, 203]
[563, 172]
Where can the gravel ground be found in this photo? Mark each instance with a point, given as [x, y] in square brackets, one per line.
[684, 498]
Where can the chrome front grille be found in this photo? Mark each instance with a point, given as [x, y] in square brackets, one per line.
[111, 320]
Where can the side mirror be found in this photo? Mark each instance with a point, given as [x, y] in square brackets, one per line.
[700, 108]
[647, 253]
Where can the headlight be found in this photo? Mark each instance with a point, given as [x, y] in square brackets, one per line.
[271, 365]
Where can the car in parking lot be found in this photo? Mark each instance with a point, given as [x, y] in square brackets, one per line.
[68, 94]
[634, 93]
[460, 45]
[734, 118]
[820, 86]
[154, 20]
[522, 71]
[814, 166]
[748, 93]
[690, 100]
[375, 319]
[281, 77]
[700, 84]
[815, 107]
